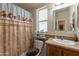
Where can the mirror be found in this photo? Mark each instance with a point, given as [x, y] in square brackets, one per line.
[64, 19]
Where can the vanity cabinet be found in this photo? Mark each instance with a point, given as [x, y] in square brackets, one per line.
[68, 52]
[53, 50]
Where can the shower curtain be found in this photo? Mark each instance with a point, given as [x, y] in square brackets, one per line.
[15, 37]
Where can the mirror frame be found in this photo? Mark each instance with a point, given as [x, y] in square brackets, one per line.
[71, 15]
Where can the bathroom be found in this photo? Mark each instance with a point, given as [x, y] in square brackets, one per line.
[39, 29]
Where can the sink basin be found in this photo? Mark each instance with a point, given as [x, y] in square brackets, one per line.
[64, 41]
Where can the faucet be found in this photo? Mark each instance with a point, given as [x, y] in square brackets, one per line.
[76, 39]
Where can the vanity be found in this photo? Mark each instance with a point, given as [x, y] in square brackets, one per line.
[54, 48]
[66, 21]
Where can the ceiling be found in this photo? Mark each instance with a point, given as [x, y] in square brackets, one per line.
[31, 6]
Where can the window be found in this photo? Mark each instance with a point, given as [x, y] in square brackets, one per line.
[42, 20]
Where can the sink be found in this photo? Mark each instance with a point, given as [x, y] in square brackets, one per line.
[64, 41]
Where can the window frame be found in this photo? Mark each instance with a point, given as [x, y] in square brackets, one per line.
[37, 19]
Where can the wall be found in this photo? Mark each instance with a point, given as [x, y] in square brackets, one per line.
[34, 20]
[51, 23]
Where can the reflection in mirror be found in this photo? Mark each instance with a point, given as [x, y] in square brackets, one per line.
[64, 19]
[73, 20]
[61, 25]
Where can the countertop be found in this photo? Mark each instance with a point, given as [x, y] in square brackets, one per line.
[73, 47]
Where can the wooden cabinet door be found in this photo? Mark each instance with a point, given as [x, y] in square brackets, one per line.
[67, 52]
[53, 50]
